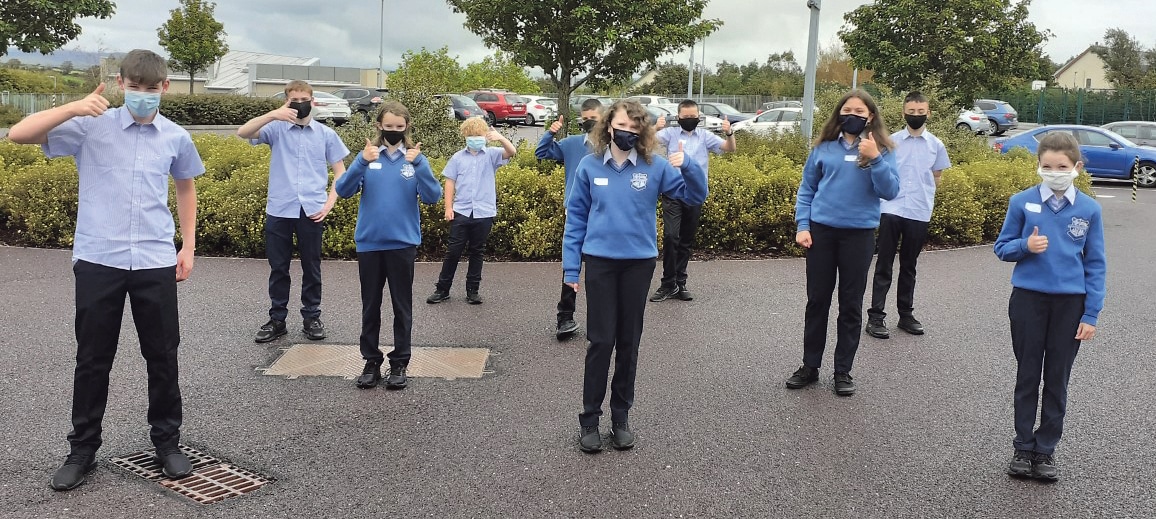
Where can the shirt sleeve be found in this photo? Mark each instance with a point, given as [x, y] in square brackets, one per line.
[663, 137]
[267, 135]
[942, 161]
[1095, 269]
[188, 162]
[335, 150]
[549, 148]
[66, 139]
[496, 156]
[451, 169]
[577, 216]
[714, 143]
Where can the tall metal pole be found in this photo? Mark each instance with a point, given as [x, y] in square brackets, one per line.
[702, 73]
[812, 64]
[690, 76]
[381, 47]
[855, 79]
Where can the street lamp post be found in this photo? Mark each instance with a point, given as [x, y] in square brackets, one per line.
[381, 47]
[53, 91]
[812, 64]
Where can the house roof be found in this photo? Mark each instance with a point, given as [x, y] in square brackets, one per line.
[1072, 61]
[231, 73]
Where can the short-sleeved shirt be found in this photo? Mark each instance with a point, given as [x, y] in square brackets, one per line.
[299, 167]
[918, 157]
[697, 144]
[475, 187]
[123, 218]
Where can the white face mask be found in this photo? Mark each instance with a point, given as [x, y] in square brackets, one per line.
[1058, 180]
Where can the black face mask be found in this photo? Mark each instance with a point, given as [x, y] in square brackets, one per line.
[688, 124]
[303, 108]
[915, 122]
[852, 124]
[392, 136]
[625, 140]
[587, 125]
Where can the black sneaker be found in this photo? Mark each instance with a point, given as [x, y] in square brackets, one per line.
[174, 463]
[1020, 465]
[663, 293]
[621, 437]
[437, 297]
[473, 298]
[803, 377]
[370, 375]
[566, 328]
[590, 440]
[71, 474]
[270, 330]
[877, 329]
[396, 378]
[910, 325]
[684, 294]
[843, 384]
[1044, 468]
[313, 328]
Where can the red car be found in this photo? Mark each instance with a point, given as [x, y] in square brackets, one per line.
[501, 105]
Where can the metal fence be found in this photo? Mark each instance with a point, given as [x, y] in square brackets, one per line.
[1092, 107]
[742, 103]
[32, 103]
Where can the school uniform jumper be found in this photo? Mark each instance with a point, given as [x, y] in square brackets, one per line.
[905, 219]
[387, 235]
[679, 219]
[569, 152]
[1053, 292]
[298, 178]
[611, 224]
[838, 202]
[123, 245]
[475, 205]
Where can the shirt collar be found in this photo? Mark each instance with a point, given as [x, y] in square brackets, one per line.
[1070, 193]
[846, 146]
[632, 157]
[400, 150]
[904, 134]
[125, 118]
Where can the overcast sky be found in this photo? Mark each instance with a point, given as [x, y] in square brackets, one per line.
[348, 35]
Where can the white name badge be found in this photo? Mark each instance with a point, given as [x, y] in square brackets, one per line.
[1032, 207]
[850, 158]
[374, 165]
[602, 181]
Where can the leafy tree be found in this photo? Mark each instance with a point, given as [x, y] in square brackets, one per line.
[969, 45]
[193, 37]
[1122, 57]
[66, 68]
[419, 77]
[14, 63]
[497, 71]
[669, 78]
[579, 42]
[835, 67]
[45, 25]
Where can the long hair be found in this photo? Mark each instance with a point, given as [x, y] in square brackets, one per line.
[647, 142]
[833, 128]
[398, 109]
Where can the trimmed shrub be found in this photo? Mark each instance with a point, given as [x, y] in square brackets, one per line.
[39, 201]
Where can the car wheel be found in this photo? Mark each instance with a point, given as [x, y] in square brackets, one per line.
[493, 118]
[529, 119]
[1146, 177]
[963, 126]
[992, 127]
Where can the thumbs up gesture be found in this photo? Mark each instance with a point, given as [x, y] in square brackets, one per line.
[660, 123]
[726, 126]
[412, 153]
[676, 159]
[1036, 242]
[93, 104]
[868, 149]
[371, 151]
[556, 126]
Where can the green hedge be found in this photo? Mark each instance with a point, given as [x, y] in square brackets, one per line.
[209, 109]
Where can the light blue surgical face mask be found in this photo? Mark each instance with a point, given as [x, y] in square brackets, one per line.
[475, 143]
[141, 104]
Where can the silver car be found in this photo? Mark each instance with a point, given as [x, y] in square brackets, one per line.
[1139, 132]
[973, 120]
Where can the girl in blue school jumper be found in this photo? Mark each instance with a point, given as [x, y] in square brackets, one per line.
[391, 174]
[837, 210]
[611, 225]
[1055, 235]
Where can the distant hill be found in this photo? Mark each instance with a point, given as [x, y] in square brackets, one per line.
[79, 58]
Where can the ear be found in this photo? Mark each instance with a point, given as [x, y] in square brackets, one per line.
[120, 82]
[1080, 165]
[165, 86]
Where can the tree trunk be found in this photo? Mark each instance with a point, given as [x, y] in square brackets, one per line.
[190, 81]
[562, 84]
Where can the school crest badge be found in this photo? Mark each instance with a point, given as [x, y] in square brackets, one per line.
[638, 181]
[407, 171]
[1078, 228]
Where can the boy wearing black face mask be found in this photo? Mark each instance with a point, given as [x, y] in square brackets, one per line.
[297, 204]
[569, 151]
[922, 158]
[680, 219]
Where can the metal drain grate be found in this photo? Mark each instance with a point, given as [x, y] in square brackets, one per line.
[215, 483]
[212, 480]
[337, 360]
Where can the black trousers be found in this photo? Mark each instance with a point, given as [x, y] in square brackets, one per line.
[100, 294]
[679, 225]
[616, 291]
[467, 234]
[377, 269]
[567, 303]
[279, 248]
[894, 229]
[843, 254]
[1043, 331]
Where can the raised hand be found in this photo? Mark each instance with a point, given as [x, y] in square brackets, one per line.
[494, 135]
[556, 126]
[868, 148]
[676, 159]
[661, 123]
[412, 153]
[284, 113]
[726, 124]
[1037, 243]
[371, 151]
[93, 104]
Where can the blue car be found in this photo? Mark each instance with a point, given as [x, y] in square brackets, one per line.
[1106, 154]
[1001, 117]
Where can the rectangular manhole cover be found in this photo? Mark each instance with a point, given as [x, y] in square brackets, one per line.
[212, 480]
[339, 360]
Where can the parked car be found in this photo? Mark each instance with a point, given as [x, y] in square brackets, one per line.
[973, 120]
[652, 100]
[462, 108]
[1106, 153]
[722, 110]
[771, 121]
[326, 107]
[577, 100]
[654, 112]
[537, 111]
[1000, 115]
[363, 101]
[706, 122]
[1139, 132]
[502, 105]
[784, 104]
